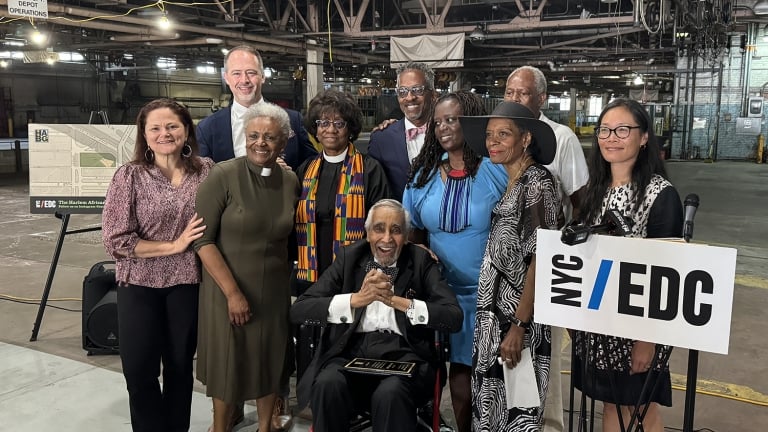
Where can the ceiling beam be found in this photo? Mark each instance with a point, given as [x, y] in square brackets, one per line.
[97, 19]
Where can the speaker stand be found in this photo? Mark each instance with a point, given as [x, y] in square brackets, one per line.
[52, 270]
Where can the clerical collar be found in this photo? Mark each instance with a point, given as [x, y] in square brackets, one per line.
[336, 159]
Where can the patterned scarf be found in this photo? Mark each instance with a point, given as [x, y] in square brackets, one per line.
[349, 213]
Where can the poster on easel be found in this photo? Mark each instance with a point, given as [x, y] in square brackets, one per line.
[71, 165]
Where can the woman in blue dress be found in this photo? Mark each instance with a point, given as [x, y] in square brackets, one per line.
[450, 195]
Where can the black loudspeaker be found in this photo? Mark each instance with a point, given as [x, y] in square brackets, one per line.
[100, 335]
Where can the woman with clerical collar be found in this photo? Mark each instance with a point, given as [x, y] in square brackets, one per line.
[338, 187]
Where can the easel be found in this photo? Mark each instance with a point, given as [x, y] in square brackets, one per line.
[52, 270]
[102, 114]
[57, 250]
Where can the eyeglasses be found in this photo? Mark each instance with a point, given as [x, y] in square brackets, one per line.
[621, 131]
[402, 92]
[338, 124]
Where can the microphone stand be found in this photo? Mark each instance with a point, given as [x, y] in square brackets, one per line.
[691, 204]
[690, 388]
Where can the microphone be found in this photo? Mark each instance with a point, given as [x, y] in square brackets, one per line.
[691, 205]
[613, 223]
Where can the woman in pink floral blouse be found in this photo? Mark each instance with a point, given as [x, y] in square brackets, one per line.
[148, 224]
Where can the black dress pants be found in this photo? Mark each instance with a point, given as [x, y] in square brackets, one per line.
[338, 395]
[158, 325]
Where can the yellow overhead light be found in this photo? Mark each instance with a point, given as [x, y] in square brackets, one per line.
[38, 38]
[3, 63]
[164, 23]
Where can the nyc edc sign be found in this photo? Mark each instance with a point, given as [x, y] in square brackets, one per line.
[666, 292]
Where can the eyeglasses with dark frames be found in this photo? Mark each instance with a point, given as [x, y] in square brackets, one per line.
[338, 124]
[620, 131]
[417, 91]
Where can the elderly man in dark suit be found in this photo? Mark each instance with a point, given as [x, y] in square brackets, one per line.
[382, 298]
[221, 136]
[398, 144]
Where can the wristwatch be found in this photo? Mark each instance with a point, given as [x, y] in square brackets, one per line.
[516, 321]
[411, 311]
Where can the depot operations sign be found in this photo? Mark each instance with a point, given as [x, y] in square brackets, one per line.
[28, 8]
[665, 292]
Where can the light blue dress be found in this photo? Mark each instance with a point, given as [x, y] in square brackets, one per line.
[461, 252]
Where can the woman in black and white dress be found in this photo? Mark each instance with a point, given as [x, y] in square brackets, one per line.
[504, 325]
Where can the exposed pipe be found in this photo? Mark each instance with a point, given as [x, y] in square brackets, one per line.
[266, 43]
[143, 37]
[684, 140]
[746, 73]
[716, 137]
[195, 41]
[691, 106]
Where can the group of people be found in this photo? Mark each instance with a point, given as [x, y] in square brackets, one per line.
[206, 223]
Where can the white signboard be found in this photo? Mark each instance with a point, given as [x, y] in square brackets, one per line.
[28, 8]
[666, 292]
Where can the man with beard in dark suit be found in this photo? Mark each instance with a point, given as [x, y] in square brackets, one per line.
[395, 146]
[382, 298]
[221, 136]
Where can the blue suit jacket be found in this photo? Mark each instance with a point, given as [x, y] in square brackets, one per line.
[389, 148]
[214, 136]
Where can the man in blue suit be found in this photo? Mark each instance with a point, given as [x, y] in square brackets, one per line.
[221, 136]
[395, 146]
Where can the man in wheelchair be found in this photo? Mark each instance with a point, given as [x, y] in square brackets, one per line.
[381, 299]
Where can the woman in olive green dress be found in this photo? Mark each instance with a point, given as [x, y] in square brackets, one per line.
[248, 206]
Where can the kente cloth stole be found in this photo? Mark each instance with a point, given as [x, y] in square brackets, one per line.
[349, 211]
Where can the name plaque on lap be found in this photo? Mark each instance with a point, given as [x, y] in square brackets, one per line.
[380, 367]
[666, 292]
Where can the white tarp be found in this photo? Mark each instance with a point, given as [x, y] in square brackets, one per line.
[438, 51]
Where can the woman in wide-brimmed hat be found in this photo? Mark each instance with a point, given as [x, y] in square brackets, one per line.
[504, 326]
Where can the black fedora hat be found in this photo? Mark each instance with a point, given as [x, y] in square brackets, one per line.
[543, 143]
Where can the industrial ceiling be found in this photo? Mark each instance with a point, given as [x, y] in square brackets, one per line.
[591, 45]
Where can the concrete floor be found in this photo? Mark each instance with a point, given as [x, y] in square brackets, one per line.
[51, 384]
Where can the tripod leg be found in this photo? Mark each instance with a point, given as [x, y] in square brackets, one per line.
[571, 389]
[51, 272]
